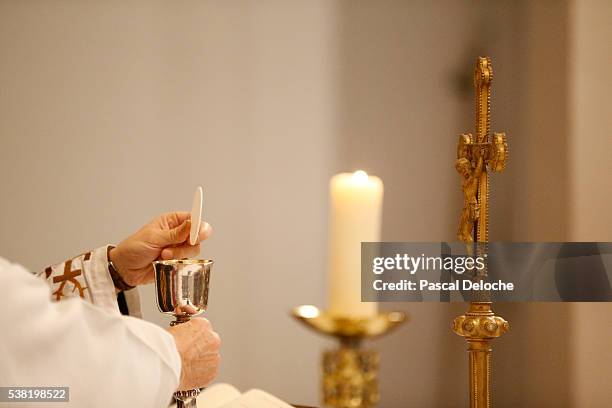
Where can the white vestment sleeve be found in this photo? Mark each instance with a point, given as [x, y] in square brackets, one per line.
[106, 359]
[86, 276]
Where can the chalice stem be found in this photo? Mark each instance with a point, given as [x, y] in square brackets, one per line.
[180, 319]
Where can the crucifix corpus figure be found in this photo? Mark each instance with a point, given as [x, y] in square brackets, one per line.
[469, 183]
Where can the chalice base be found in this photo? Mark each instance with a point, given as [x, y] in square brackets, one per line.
[187, 398]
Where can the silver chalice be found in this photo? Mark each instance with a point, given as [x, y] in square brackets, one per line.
[181, 287]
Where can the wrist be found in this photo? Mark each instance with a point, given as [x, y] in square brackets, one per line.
[117, 273]
[112, 256]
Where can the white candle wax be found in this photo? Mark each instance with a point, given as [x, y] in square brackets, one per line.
[355, 217]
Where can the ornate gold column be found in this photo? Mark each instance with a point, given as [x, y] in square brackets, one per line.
[475, 157]
[479, 326]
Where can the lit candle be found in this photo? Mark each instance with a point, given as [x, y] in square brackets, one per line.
[355, 217]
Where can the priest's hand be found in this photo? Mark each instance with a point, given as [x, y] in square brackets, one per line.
[198, 345]
[165, 237]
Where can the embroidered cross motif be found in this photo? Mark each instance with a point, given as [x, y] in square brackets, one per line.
[68, 276]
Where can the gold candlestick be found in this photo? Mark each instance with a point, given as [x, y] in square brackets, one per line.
[350, 373]
[475, 156]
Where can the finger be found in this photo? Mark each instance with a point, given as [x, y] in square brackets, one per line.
[216, 340]
[175, 218]
[206, 231]
[202, 321]
[174, 236]
[180, 252]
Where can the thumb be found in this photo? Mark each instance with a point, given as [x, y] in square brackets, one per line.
[176, 235]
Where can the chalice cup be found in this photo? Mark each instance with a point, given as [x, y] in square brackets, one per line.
[181, 287]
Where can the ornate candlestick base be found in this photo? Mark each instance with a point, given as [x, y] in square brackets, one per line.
[350, 373]
[479, 326]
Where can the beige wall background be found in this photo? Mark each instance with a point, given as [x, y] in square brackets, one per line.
[111, 112]
[591, 167]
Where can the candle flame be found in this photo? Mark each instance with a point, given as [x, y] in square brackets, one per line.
[360, 176]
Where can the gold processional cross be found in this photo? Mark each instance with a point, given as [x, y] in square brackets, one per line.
[476, 156]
